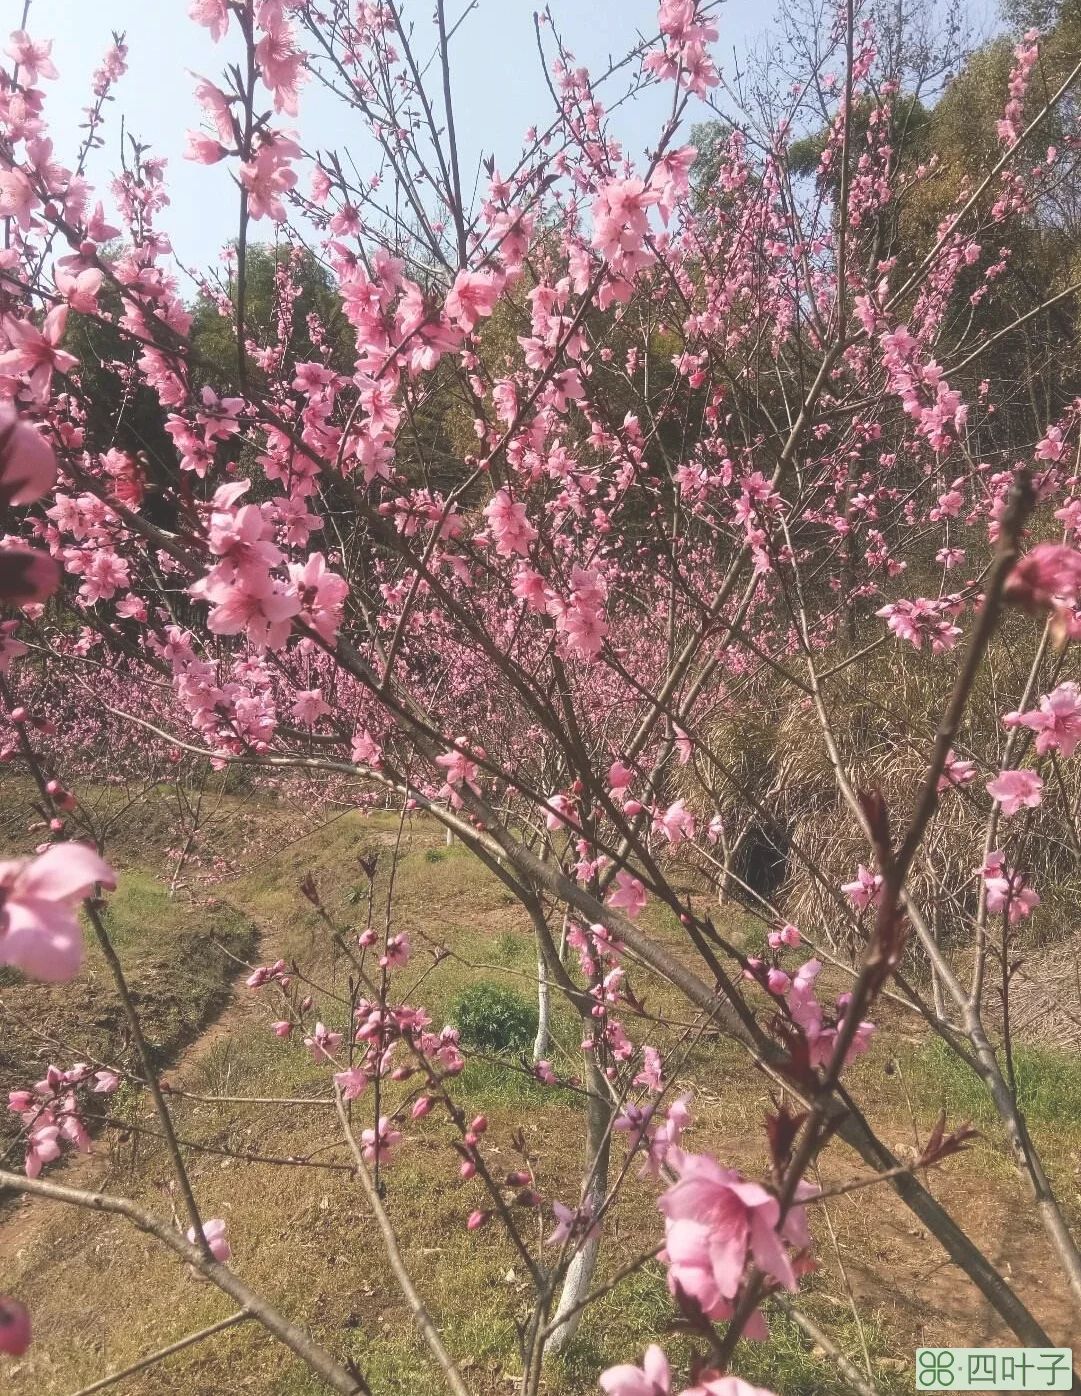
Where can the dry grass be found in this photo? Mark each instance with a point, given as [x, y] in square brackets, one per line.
[883, 712]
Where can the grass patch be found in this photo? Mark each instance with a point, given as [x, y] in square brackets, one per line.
[790, 1364]
[1048, 1085]
[489, 1084]
[179, 959]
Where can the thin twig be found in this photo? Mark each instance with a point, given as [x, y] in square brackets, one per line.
[242, 1317]
[397, 1264]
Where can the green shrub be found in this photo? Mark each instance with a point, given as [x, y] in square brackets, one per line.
[494, 1018]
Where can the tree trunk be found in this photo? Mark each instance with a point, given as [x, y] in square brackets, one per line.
[544, 1009]
[580, 1272]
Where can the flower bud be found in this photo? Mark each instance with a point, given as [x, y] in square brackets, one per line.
[480, 1124]
[468, 1168]
[422, 1106]
[778, 981]
[478, 1219]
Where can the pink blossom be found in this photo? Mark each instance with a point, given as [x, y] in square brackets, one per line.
[352, 1083]
[258, 606]
[714, 1221]
[865, 889]
[1048, 577]
[788, 935]
[726, 1386]
[105, 1082]
[281, 65]
[213, 14]
[39, 930]
[1015, 790]
[955, 773]
[473, 295]
[619, 777]
[203, 149]
[629, 894]
[27, 461]
[214, 1232]
[807, 1012]
[650, 1075]
[33, 58]
[322, 1043]
[1006, 890]
[81, 291]
[653, 1378]
[1057, 722]
[17, 197]
[27, 576]
[35, 352]
[14, 1326]
[216, 105]
[397, 952]
[389, 1139]
[620, 224]
[309, 707]
[366, 750]
[461, 771]
[574, 1222]
[9, 649]
[268, 177]
[676, 823]
[322, 594]
[42, 1145]
[509, 526]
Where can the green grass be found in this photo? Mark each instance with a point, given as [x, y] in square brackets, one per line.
[789, 1364]
[641, 1311]
[489, 1083]
[1048, 1085]
[179, 959]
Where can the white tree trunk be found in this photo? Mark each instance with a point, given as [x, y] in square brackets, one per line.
[579, 1278]
[544, 1009]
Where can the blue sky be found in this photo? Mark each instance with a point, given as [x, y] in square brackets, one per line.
[499, 88]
